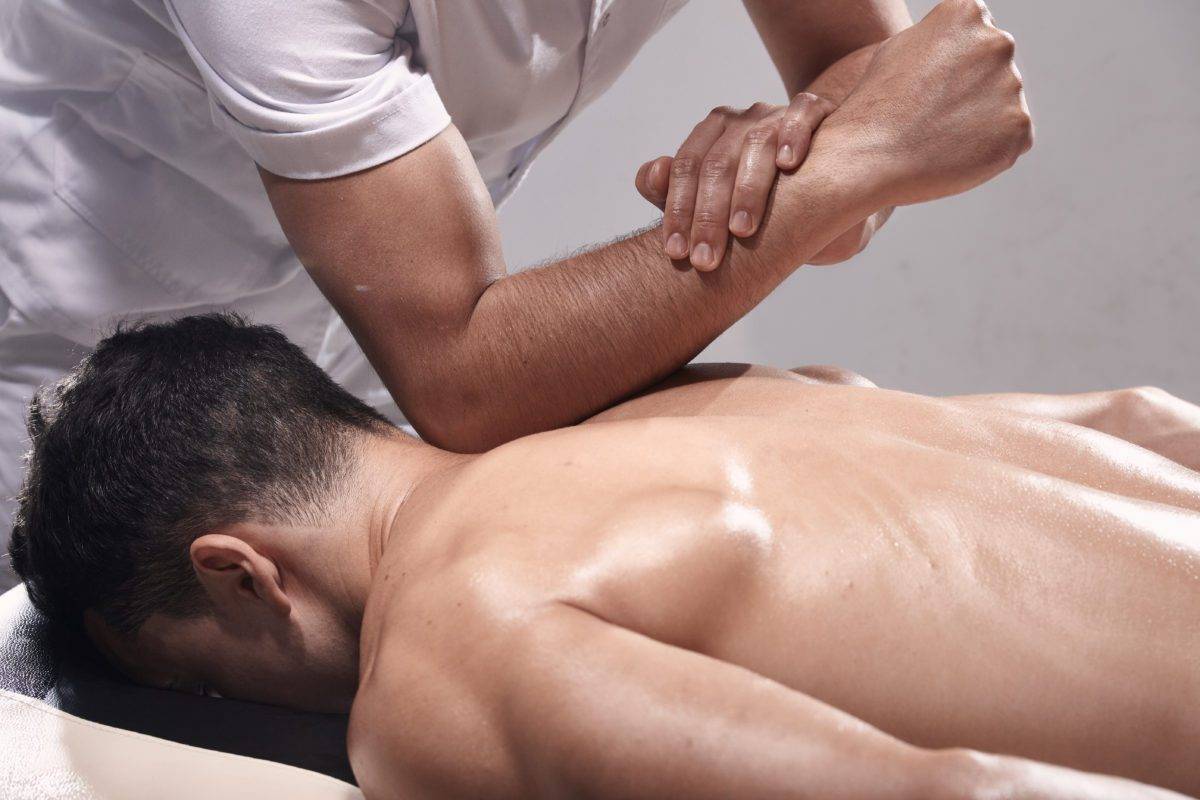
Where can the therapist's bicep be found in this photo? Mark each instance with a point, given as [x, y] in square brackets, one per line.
[403, 251]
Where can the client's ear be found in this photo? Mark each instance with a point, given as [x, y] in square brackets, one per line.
[234, 573]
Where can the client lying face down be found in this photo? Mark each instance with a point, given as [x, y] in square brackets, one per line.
[761, 585]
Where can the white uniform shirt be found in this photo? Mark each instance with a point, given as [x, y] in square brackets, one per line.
[129, 132]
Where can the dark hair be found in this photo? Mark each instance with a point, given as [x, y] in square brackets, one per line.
[167, 431]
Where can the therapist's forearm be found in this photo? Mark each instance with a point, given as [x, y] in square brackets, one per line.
[553, 345]
[838, 81]
[809, 40]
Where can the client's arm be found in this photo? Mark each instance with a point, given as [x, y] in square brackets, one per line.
[580, 707]
[1145, 416]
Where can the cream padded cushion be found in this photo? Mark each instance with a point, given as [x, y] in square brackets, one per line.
[47, 753]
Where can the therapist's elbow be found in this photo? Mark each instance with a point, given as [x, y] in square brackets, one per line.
[461, 421]
[461, 435]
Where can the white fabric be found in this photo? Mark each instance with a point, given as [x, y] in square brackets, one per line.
[339, 92]
[28, 357]
[51, 754]
[129, 132]
[129, 129]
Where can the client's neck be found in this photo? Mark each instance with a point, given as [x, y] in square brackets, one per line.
[393, 472]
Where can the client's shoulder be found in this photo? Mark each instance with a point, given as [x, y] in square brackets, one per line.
[440, 649]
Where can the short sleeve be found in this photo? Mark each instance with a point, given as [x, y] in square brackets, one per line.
[311, 88]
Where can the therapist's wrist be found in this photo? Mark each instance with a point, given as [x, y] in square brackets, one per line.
[849, 160]
[838, 80]
[831, 192]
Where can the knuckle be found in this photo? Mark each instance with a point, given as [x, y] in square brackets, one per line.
[1027, 135]
[684, 166]
[961, 6]
[716, 166]
[759, 108]
[810, 111]
[974, 12]
[796, 129]
[707, 219]
[747, 187]
[1004, 43]
[677, 216]
[762, 135]
[1022, 125]
[710, 123]
[720, 111]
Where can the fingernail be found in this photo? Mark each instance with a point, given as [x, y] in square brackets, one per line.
[702, 256]
[677, 246]
[785, 154]
[742, 224]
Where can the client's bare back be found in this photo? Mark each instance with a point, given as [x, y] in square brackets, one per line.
[954, 572]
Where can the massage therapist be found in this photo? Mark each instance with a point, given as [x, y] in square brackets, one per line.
[332, 167]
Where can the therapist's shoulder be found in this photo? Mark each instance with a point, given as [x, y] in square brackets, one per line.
[372, 184]
[312, 88]
[348, 130]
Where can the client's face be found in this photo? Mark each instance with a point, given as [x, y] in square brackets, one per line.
[293, 666]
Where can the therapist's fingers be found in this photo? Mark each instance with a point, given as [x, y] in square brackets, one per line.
[714, 193]
[685, 178]
[654, 179]
[804, 114]
[755, 177]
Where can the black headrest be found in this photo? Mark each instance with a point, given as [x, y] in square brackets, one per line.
[38, 660]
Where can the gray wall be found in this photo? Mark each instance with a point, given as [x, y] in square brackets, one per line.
[1076, 270]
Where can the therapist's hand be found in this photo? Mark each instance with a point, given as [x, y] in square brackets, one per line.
[719, 180]
[945, 107]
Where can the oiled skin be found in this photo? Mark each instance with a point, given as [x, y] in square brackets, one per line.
[953, 574]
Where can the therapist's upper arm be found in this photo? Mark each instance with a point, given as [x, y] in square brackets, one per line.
[373, 186]
[805, 38]
[403, 251]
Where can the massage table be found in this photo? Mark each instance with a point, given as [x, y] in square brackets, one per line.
[71, 727]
